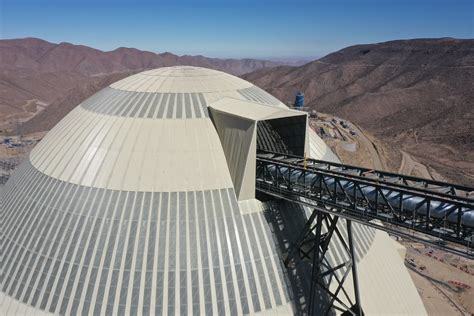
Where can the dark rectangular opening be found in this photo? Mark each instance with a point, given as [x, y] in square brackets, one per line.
[284, 135]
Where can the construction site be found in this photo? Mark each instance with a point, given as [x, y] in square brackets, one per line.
[186, 190]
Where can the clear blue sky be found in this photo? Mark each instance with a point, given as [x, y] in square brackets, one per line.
[268, 28]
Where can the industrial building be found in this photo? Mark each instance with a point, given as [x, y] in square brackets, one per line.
[142, 201]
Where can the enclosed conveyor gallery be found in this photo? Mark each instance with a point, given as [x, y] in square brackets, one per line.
[245, 126]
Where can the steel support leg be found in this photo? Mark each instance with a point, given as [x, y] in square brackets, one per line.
[316, 267]
[358, 307]
[328, 276]
[301, 238]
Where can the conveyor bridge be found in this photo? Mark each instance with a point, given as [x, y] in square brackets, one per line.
[429, 211]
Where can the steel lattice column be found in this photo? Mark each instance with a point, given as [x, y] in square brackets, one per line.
[328, 278]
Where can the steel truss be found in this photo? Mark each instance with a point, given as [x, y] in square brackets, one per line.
[435, 209]
[313, 245]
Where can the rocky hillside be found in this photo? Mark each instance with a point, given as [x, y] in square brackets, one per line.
[41, 56]
[416, 95]
[35, 73]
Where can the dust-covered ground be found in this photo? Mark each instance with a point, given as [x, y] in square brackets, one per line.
[355, 146]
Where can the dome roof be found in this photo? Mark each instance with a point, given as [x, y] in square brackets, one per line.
[182, 79]
[150, 131]
[127, 206]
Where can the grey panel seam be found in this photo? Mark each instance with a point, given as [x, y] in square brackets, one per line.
[258, 95]
[101, 250]
[154, 105]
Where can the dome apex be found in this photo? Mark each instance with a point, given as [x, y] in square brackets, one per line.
[181, 79]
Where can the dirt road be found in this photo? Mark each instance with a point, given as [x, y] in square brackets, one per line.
[364, 140]
[411, 166]
[434, 300]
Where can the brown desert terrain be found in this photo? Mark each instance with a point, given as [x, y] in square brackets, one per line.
[414, 95]
[40, 82]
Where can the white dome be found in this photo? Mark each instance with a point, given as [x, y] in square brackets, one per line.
[127, 206]
[144, 129]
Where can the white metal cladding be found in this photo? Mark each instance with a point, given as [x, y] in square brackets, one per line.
[236, 123]
[147, 104]
[258, 95]
[133, 154]
[182, 79]
[128, 212]
[73, 249]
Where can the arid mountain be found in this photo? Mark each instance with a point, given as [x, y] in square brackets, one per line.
[39, 79]
[415, 95]
[41, 56]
